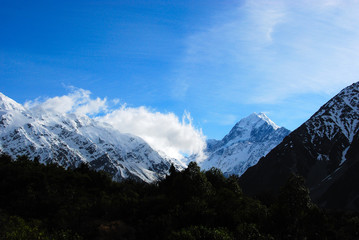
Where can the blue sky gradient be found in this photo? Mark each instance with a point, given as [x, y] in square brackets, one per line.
[218, 60]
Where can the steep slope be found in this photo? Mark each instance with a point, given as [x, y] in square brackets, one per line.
[316, 150]
[340, 189]
[70, 139]
[249, 140]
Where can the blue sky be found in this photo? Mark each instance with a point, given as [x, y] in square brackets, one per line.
[217, 60]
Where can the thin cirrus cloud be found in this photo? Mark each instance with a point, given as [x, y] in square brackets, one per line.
[270, 51]
[164, 132]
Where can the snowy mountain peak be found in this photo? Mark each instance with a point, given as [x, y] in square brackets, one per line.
[249, 140]
[7, 104]
[250, 128]
[267, 120]
[256, 120]
[340, 115]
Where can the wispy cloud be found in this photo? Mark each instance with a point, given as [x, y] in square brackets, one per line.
[77, 101]
[164, 132]
[270, 51]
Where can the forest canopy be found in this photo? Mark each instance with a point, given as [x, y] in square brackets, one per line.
[49, 202]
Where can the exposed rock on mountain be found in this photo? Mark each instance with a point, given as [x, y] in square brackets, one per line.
[323, 150]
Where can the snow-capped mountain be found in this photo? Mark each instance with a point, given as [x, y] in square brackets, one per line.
[249, 140]
[70, 140]
[317, 150]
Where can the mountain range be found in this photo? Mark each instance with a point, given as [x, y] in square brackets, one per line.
[72, 139]
[324, 150]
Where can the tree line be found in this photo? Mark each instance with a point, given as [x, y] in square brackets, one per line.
[49, 202]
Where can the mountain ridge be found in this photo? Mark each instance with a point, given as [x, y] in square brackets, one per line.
[71, 139]
[317, 150]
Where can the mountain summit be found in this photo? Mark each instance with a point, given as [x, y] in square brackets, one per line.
[323, 150]
[249, 140]
[71, 139]
[7, 104]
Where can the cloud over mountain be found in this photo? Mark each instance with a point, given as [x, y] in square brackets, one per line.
[165, 132]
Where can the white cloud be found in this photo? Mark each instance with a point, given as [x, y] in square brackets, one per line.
[77, 101]
[269, 51]
[92, 106]
[236, 33]
[162, 131]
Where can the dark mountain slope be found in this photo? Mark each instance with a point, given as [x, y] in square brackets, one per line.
[341, 188]
[316, 150]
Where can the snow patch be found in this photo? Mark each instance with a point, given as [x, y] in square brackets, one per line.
[344, 156]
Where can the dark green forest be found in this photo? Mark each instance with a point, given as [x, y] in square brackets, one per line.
[49, 202]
